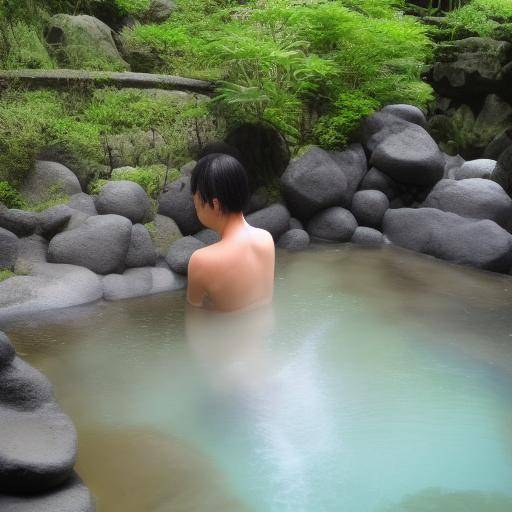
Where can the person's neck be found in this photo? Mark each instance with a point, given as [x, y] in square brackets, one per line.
[230, 224]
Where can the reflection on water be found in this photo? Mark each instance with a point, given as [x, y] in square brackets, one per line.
[378, 380]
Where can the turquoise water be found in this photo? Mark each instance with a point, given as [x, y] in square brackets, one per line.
[379, 381]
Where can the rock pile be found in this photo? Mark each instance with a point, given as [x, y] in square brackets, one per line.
[38, 444]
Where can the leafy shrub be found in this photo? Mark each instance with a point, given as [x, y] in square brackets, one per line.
[481, 16]
[333, 130]
[10, 197]
[287, 62]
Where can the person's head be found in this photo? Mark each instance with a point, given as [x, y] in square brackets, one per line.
[220, 187]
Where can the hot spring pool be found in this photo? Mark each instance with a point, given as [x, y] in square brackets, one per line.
[379, 381]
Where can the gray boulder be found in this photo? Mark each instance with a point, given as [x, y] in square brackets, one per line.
[7, 351]
[164, 231]
[475, 65]
[141, 252]
[369, 207]
[410, 157]
[178, 204]
[335, 224]
[448, 236]
[367, 236]
[501, 174]
[8, 249]
[83, 203]
[127, 199]
[137, 282]
[159, 10]
[376, 180]
[53, 220]
[258, 200]
[451, 163]
[480, 168]
[186, 170]
[498, 145]
[84, 40]
[378, 126]
[99, 244]
[352, 161]
[274, 218]
[38, 444]
[295, 224]
[207, 236]
[47, 177]
[32, 250]
[72, 496]
[180, 252]
[312, 183]
[407, 112]
[19, 222]
[473, 197]
[294, 240]
[49, 286]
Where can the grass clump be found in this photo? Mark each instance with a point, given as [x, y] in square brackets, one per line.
[10, 197]
[6, 274]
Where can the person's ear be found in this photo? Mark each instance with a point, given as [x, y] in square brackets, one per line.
[216, 205]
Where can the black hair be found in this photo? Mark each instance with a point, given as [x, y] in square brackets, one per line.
[224, 177]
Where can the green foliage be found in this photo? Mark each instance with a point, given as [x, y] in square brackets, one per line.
[481, 16]
[56, 196]
[5, 274]
[334, 130]
[135, 7]
[96, 185]
[10, 197]
[287, 62]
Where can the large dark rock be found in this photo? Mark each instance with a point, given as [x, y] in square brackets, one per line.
[53, 220]
[99, 244]
[8, 249]
[137, 282]
[407, 112]
[501, 174]
[352, 161]
[293, 240]
[125, 198]
[207, 236]
[263, 151]
[141, 252]
[72, 496]
[83, 203]
[378, 126]
[7, 351]
[473, 197]
[159, 11]
[258, 200]
[410, 157]
[49, 286]
[498, 145]
[178, 204]
[180, 252]
[84, 39]
[312, 183]
[335, 224]
[448, 236]
[367, 236]
[376, 180]
[47, 177]
[369, 207]
[471, 66]
[38, 444]
[19, 222]
[274, 218]
[480, 168]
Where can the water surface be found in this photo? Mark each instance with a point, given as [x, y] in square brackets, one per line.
[379, 381]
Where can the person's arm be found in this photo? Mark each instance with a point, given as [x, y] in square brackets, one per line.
[196, 287]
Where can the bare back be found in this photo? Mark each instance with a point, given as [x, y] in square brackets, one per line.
[236, 272]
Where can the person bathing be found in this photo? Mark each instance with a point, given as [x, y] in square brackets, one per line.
[237, 272]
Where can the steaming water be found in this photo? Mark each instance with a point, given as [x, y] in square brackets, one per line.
[379, 381]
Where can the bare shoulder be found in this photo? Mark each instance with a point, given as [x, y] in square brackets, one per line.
[263, 238]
